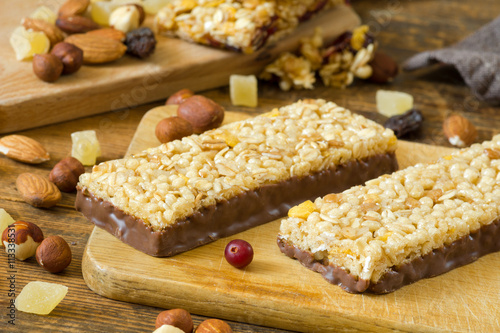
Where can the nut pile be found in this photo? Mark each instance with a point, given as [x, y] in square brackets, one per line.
[351, 55]
[180, 321]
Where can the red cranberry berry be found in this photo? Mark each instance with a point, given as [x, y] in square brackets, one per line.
[239, 253]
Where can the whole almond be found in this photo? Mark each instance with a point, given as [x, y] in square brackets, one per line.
[76, 24]
[108, 33]
[459, 131]
[53, 33]
[73, 7]
[23, 149]
[97, 50]
[37, 190]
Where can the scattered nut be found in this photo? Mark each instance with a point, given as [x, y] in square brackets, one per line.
[70, 55]
[65, 174]
[179, 96]
[97, 50]
[109, 33]
[37, 190]
[54, 34]
[53, 254]
[126, 18]
[173, 128]
[459, 131]
[201, 112]
[179, 318]
[23, 149]
[214, 326]
[47, 67]
[73, 7]
[384, 67]
[76, 24]
[168, 329]
[141, 43]
[25, 236]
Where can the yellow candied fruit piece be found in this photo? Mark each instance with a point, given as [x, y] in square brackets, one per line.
[230, 139]
[44, 13]
[40, 297]
[27, 43]
[86, 147]
[392, 103]
[152, 7]
[101, 10]
[358, 37]
[303, 210]
[5, 220]
[243, 90]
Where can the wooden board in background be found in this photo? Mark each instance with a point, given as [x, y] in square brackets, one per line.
[26, 102]
[279, 292]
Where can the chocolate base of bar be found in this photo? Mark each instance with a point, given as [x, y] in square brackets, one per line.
[459, 253]
[229, 217]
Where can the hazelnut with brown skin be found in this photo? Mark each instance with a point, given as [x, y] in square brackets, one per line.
[173, 128]
[384, 68]
[179, 97]
[47, 67]
[214, 326]
[203, 113]
[22, 239]
[65, 174]
[53, 254]
[179, 318]
[70, 55]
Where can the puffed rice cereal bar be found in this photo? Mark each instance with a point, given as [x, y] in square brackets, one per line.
[240, 25]
[416, 223]
[189, 192]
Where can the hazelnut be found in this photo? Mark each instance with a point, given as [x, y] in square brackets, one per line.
[65, 174]
[21, 239]
[384, 68]
[126, 18]
[70, 55]
[47, 67]
[201, 112]
[179, 318]
[214, 326]
[53, 254]
[179, 97]
[173, 128]
[168, 329]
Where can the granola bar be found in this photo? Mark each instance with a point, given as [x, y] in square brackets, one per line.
[189, 192]
[416, 223]
[240, 25]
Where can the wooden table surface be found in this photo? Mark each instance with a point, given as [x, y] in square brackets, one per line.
[402, 27]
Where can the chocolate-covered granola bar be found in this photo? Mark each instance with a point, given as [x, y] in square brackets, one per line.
[189, 192]
[241, 25]
[416, 223]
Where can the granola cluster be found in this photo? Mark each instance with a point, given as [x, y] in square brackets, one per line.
[164, 184]
[337, 65]
[396, 218]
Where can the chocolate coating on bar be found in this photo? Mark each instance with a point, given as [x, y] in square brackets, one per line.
[459, 253]
[229, 217]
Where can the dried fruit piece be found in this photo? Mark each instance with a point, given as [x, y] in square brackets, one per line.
[384, 68]
[392, 103]
[27, 43]
[459, 131]
[54, 34]
[44, 13]
[140, 42]
[65, 174]
[153, 6]
[5, 220]
[173, 128]
[70, 55]
[22, 239]
[238, 253]
[243, 90]
[406, 123]
[179, 318]
[303, 210]
[73, 7]
[53, 254]
[47, 67]
[40, 297]
[86, 147]
[38, 190]
[101, 10]
[97, 50]
[23, 149]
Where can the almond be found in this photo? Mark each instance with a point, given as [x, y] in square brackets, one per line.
[76, 24]
[23, 149]
[73, 7]
[108, 33]
[53, 33]
[459, 131]
[97, 50]
[37, 190]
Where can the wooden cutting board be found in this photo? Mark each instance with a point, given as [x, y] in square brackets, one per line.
[277, 291]
[26, 102]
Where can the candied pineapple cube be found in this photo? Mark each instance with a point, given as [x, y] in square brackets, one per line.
[27, 43]
[243, 90]
[303, 210]
[5, 220]
[393, 103]
[40, 297]
[101, 10]
[86, 147]
[153, 6]
[44, 13]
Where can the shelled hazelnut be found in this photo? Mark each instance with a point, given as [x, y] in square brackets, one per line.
[179, 318]
[25, 236]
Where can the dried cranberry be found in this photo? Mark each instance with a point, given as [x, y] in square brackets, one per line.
[239, 253]
[140, 42]
[407, 122]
